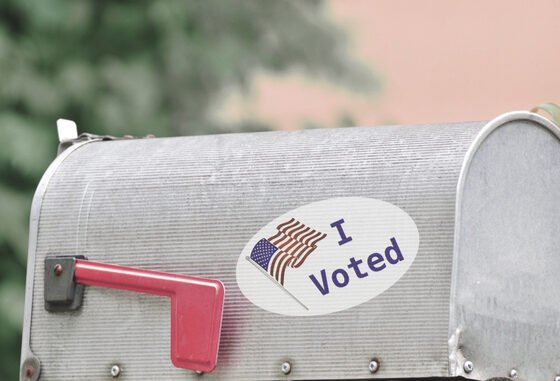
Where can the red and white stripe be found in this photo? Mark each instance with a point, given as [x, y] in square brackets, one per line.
[277, 267]
[295, 242]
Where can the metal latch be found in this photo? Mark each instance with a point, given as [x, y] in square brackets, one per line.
[193, 299]
[68, 135]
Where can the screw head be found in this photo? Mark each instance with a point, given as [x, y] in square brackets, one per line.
[286, 367]
[58, 269]
[468, 366]
[115, 370]
[513, 373]
[373, 366]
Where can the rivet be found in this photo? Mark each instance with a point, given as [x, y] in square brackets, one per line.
[373, 366]
[513, 373]
[286, 367]
[58, 269]
[115, 370]
[29, 372]
[557, 378]
[468, 366]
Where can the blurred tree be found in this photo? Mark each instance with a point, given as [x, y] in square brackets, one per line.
[133, 67]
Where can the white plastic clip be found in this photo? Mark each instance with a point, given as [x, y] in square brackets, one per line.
[67, 130]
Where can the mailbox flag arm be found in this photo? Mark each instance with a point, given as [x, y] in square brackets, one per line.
[196, 306]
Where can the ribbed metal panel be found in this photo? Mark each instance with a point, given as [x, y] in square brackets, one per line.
[189, 205]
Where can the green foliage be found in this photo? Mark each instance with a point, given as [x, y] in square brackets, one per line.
[134, 67]
[552, 109]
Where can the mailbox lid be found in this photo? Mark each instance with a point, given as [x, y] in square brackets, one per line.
[190, 205]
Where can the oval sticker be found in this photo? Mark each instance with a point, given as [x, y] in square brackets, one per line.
[327, 256]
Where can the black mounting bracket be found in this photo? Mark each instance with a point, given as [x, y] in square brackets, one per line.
[61, 292]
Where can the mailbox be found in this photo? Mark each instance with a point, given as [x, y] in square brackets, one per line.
[428, 251]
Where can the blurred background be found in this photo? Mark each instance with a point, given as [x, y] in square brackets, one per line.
[198, 67]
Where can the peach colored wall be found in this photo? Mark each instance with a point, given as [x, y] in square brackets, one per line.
[440, 60]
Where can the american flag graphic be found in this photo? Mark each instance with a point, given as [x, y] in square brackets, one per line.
[289, 247]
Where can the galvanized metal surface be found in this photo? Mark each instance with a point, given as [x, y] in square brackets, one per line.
[30, 364]
[506, 293]
[189, 205]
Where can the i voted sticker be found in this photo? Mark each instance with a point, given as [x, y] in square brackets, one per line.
[327, 256]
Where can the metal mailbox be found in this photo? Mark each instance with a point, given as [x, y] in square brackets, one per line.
[335, 254]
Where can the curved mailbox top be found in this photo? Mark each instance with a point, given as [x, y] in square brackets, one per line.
[420, 247]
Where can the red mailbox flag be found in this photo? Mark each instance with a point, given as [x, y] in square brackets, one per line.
[196, 307]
